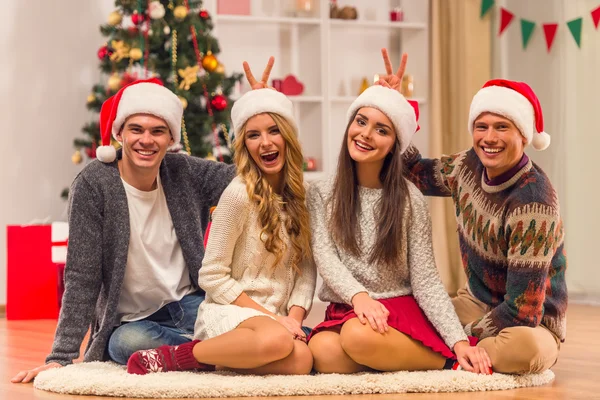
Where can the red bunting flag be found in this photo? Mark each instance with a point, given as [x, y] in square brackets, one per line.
[550, 33]
[596, 16]
[505, 19]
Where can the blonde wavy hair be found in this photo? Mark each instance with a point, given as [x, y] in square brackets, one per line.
[292, 199]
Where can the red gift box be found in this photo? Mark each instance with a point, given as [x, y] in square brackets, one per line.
[36, 257]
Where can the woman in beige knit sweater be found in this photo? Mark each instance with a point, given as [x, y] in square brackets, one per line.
[258, 272]
[371, 238]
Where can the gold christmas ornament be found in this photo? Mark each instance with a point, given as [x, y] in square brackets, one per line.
[184, 102]
[91, 98]
[76, 158]
[180, 12]
[210, 156]
[114, 82]
[135, 54]
[210, 62]
[120, 50]
[115, 18]
[189, 76]
[220, 69]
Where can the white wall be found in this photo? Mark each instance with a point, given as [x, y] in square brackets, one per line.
[49, 64]
[567, 83]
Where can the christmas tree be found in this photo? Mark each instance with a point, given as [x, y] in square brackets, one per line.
[169, 39]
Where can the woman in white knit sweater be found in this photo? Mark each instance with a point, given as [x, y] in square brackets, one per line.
[371, 238]
[257, 271]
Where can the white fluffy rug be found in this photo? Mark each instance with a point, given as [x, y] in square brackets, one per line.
[108, 379]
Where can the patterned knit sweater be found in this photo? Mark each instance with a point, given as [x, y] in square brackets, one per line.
[345, 275]
[511, 240]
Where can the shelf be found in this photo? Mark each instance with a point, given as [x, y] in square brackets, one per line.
[376, 24]
[295, 99]
[267, 20]
[350, 99]
[306, 99]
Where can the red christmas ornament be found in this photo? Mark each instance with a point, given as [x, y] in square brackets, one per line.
[133, 31]
[137, 18]
[103, 52]
[204, 14]
[219, 102]
[128, 78]
[91, 151]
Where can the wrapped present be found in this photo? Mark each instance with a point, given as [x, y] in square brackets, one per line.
[236, 7]
[36, 256]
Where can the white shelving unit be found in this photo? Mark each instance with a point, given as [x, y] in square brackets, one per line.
[330, 57]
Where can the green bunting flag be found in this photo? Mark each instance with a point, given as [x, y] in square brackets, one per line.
[526, 31]
[527, 26]
[575, 28]
[485, 6]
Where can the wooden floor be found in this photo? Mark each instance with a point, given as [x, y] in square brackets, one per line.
[24, 344]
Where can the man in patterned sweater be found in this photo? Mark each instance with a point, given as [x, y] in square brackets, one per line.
[509, 227]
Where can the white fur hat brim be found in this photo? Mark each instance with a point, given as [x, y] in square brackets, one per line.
[261, 101]
[153, 99]
[507, 103]
[394, 106]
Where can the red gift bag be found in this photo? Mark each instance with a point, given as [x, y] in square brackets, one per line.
[35, 260]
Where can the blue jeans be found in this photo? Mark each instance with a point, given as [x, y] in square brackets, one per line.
[166, 326]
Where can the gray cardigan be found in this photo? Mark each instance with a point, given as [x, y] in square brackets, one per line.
[99, 241]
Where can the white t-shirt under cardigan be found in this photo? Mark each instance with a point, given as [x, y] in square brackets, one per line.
[156, 273]
[236, 261]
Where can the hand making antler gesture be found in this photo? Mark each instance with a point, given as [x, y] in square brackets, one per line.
[391, 80]
[262, 84]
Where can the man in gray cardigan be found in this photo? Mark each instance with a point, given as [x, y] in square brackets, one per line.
[136, 221]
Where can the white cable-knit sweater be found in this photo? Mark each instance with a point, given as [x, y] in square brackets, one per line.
[236, 261]
[345, 275]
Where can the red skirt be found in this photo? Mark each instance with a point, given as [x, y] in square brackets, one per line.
[405, 316]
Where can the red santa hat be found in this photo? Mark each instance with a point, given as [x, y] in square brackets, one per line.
[147, 96]
[403, 113]
[515, 101]
[261, 101]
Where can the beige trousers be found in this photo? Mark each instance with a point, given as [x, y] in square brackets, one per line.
[514, 350]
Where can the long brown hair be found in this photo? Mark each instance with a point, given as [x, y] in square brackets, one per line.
[292, 199]
[391, 208]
